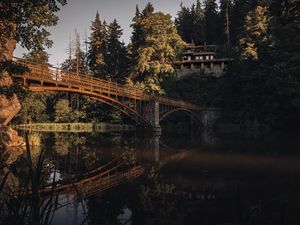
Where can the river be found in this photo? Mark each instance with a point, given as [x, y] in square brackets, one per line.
[125, 178]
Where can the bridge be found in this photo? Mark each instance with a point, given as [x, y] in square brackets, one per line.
[144, 108]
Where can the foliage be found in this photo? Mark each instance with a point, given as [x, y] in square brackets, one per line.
[25, 21]
[97, 47]
[255, 33]
[212, 22]
[160, 49]
[262, 92]
[33, 109]
[39, 56]
[98, 112]
[116, 58]
[190, 23]
[196, 88]
[64, 113]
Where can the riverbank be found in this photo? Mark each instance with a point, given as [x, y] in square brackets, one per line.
[74, 127]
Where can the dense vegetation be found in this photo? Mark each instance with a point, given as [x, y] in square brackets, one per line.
[145, 63]
[260, 90]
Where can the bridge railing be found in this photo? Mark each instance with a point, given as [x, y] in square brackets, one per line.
[49, 73]
[52, 74]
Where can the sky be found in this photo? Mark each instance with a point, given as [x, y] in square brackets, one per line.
[78, 14]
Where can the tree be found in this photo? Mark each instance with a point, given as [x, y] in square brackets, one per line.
[162, 43]
[98, 48]
[39, 56]
[33, 109]
[262, 92]
[255, 33]
[77, 61]
[199, 32]
[137, 38]
[211, 21]
[239, 11]
[183, 22]
[225, 14]
[148, 10]
[64, 113]
[25, 22]
[116, 58]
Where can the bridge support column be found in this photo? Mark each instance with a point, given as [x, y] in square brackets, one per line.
[156, 148]
[153, 116]
[208, 118]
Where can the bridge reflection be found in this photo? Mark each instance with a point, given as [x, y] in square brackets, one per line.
[127, 166]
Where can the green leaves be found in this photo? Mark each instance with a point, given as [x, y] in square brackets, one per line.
[25, 21]
[157, 51]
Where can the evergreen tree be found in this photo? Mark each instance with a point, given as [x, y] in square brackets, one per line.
[225, 14]
[199, 32]
[155, 58]
[263, 91]
[184, 24]
[255, 33]
[239, 11]
[212, 22]
[98, 48]
[148, 10]
[138, 37]
[39, 56]
[116, 57]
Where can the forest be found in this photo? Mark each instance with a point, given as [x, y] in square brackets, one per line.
[259, 91]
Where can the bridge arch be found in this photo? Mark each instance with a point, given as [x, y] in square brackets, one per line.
[98, 97]
[163, 115]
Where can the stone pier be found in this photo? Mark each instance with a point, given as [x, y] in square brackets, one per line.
[152, 115]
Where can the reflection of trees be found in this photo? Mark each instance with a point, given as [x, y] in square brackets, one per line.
[22, 201]
[81, 152]
[61, 144]
[157, 203]
[35, 143]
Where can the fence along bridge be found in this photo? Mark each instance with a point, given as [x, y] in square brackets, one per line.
[144, 108]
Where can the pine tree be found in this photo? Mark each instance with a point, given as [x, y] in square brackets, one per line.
[239, 11]
[184, 22]
[148, 10]
[225, 14]
[39, 56]
[116, 57]
[211, 21]
[137, 38]
[199, 32]
[255, 33]
[97, 48]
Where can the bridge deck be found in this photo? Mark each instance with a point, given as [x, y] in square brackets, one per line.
[61, 78]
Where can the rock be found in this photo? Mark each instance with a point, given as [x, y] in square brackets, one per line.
[5, 80]
[7, 50]
[8, 107]
[9, 138]
[10, 141]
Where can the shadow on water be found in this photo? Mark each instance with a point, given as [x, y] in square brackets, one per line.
[121, 178]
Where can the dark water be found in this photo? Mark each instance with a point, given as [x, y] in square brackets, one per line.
[185, 180]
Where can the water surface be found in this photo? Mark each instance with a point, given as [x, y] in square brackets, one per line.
[201, 179]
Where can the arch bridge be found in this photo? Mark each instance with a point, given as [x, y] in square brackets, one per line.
[142, 107]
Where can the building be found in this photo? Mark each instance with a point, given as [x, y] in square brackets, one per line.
[201, 59]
